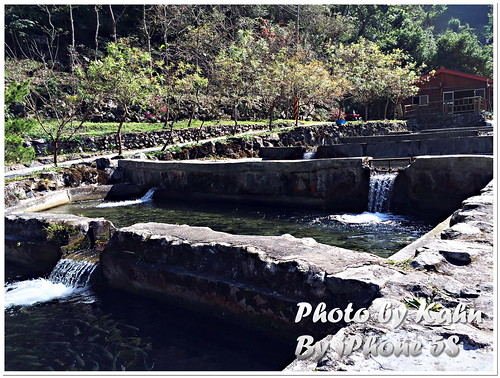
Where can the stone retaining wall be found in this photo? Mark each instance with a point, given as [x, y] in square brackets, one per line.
[310, 135]
[338, 185]
[144, 140]
[435, 186]
[250, 280]
[442, 121]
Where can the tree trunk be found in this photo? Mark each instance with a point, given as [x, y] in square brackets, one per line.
[235, 118]
[146, 32]
[398, 112]
[170, 137]
[97, 30]
[386, 107]
[113, 22]
[271, 113]
[119, 134]
[55, 147]
[191, 116]
[167, 115]
[199, 131]
[73, 44]
[366, 111]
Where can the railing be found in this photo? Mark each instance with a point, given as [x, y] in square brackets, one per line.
[390, 164]
[461, 105]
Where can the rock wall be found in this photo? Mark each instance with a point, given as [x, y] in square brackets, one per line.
[444, 121]
[36, 241]
[454, 268]
[255, 281]
[144, 140]
[338, 185]
[303, 135]
[436, 186]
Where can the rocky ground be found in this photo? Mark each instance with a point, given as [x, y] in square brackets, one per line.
[101, 171]
[451, 274]
[233, 147]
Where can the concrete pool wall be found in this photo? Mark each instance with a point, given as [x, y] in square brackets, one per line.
[250, 279]
[336, 184]
[431, 185]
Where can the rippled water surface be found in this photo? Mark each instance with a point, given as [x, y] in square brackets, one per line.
[52, 326]
[379, 233]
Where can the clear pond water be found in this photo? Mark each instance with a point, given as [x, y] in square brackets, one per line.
[379, 233]
[57, 324]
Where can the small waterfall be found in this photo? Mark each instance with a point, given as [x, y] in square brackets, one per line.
[379, 197]
[69, 276]
[145, 198]
[309, 155]
[72, 273]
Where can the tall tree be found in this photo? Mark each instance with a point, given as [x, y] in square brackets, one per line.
[123, 76]
[237, 70]
[312, 84]
[56, 101]
[459, 49]
[372, 74]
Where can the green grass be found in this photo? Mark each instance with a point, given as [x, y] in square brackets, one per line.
[33, 175]
[103, 128]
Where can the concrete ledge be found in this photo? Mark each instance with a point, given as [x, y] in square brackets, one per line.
[61, 197]
[335, 184]
[425, 135]
[88, 193]
[36, 241]
[482, 145]
[253, 280]
[47, 201]
[282, 153]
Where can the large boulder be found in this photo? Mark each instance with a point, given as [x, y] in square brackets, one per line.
[36, 241]
[256, 281]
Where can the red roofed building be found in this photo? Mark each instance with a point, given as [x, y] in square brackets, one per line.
[450, 92]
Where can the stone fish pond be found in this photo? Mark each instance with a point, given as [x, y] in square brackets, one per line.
[379, 233]
[77, 327]
[51, 326]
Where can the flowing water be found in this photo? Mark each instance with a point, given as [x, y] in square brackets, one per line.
[144, 199]
[61, 323]
[379, 197]
[309, 155]
[379, 233]
[70, 276]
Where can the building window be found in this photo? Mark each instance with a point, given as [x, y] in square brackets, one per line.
[480, 92]
[422, 100]
[464, 93]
